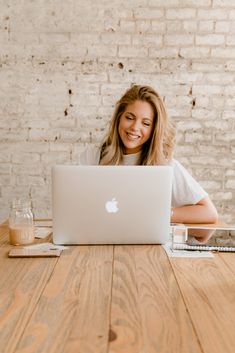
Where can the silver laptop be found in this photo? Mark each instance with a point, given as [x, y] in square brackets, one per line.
[111, 204]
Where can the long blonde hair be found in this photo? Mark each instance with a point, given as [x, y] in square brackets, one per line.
[159, 147]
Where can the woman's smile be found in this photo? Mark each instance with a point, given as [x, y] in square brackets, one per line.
[136, 125]
[132, 136]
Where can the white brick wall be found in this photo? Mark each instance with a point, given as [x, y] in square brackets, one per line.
[63, 65]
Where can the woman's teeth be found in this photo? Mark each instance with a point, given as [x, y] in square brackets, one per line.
[132, 136]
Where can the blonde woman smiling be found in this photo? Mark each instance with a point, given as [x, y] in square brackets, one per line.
[141, 133]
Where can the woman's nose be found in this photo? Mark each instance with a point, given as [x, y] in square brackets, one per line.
[135, 125]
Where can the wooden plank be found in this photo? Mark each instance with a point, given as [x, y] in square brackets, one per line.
[21, 284]
[147, 312]
[208, 288]
[125, 329]
[229, 259]
[72, 314]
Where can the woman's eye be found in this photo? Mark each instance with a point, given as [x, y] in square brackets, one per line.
[129, 117]
[147, 124]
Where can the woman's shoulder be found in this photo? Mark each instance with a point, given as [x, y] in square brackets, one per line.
[180, 172]
[90, 155]
[175, 164]
[186, 190]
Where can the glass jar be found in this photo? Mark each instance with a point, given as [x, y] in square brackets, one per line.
[21, 227]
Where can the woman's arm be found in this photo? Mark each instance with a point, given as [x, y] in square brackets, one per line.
[202, 212]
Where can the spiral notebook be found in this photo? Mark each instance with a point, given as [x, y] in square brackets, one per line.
[204, 238]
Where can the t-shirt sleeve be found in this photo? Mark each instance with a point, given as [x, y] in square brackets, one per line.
[186, 190]
[89, 156]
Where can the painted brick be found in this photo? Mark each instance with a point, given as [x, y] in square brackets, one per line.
[163, 53]
[169, 65]
[192, 125]
[230, 172]
[218, 102]
[211, 185]
[207, 89]
[212, 150]
[195, 137]
[222, 3]
[179, 39]
[148, 13]
[63, 66]
[7, 179]
[230, 184]
[190, 26]
[226, 53]
[127, 26]
[29, 180]
[180, 14]
[218, 78]
[158, 26]
[202, 101]
[186, 150]
[205, 114]
[114, 38]
[213, 14]
[54, 38]
[102, 50]
[174, 26]
[232, 14]
[194, 52]
[232, 27]
[147, 40]
[229, 137]
[53, 157]
[195, 3]
[228, 114]
[5, 168]
[84, 39]
[230, 40]
[206, 26]
[222, 196]
[230, 102]
[222, 27]
[212, 39]
[208, 66]
[167, 3]
[132, 51]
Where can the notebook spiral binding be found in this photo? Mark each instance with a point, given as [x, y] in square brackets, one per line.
[203, 247]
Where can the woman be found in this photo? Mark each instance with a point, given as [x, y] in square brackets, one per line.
[142, 134]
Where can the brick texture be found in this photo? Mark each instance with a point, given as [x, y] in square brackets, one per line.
[63, 65]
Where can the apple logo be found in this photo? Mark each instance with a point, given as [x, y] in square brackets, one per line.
[112, 206]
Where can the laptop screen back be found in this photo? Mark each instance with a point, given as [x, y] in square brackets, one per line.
[111, 204]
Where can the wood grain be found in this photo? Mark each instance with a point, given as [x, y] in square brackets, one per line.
[125, 329]
[21, 284]
[73, 312]
[148, 313]
[116, 299]
[208, 288]
[90, 329]
[229, 259]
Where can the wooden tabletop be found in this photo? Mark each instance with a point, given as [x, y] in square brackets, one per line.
[122, 299]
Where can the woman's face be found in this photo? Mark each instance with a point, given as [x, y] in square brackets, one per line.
[136, 125]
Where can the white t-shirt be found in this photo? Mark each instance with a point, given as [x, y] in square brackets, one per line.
[185, 189]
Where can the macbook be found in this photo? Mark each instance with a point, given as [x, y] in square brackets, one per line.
[111, 204]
